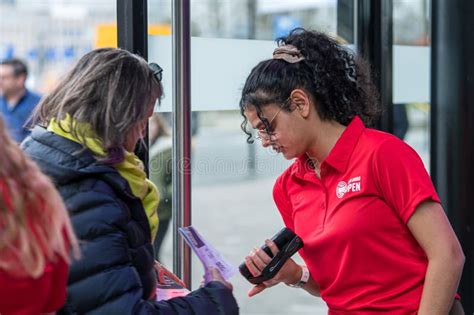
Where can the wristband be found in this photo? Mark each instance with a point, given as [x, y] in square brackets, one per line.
[304, 278]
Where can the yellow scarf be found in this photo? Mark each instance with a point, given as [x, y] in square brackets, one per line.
[131, 169]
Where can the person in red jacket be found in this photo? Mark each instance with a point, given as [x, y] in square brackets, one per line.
[376, 238]
[35, 236]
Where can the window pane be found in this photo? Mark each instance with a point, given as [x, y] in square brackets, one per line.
[411, 74]
[52, 35]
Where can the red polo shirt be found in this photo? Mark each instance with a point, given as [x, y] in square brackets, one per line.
[353, 221]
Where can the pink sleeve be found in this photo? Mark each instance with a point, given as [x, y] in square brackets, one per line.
[283, 204]
[402, 178]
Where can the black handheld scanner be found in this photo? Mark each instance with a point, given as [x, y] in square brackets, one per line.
[288, 243]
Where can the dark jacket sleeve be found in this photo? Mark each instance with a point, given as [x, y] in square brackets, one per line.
[213, 299]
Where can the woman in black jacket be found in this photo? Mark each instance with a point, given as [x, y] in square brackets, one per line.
[86, 132]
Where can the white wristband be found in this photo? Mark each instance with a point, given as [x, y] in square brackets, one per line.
[304, 278]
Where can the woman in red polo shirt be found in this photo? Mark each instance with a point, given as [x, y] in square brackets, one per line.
[377, 240]
[35, 236]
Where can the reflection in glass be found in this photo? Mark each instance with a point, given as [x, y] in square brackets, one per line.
[160, 168]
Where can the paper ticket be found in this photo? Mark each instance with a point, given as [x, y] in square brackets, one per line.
[169, 290]
[208, 255]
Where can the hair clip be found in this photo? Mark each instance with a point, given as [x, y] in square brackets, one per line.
[289, 53]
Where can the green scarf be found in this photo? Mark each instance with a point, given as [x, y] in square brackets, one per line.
[131, 169]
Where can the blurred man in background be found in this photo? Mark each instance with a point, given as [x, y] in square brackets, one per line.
[16, 101]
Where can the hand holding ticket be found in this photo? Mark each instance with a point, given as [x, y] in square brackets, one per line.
[168, 284]
[215, 266]
[208, 255]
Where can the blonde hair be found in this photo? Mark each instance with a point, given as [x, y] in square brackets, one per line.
[34, 224]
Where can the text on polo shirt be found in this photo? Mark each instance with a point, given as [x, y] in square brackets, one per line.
[352, 185]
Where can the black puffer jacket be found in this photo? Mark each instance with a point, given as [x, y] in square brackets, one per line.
[115, 274]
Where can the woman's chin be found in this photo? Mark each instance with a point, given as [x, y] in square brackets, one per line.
[287, 155]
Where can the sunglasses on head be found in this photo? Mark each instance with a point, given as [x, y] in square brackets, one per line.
[156, 70]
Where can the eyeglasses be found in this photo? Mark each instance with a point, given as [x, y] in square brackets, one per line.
[157, 71]
[267, 132]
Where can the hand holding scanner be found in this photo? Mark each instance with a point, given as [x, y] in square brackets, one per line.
[288, 243]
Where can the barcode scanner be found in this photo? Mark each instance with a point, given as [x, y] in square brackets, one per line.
[288, 243]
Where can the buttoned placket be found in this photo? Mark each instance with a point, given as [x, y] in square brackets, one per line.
[324, 202]
[313, 178]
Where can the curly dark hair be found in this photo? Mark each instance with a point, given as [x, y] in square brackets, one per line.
[338, 81]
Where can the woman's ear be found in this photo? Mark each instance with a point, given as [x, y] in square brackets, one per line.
[302, 101]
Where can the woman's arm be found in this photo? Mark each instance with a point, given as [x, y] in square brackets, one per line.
[312, 287]
[290, 273]
[431, 228]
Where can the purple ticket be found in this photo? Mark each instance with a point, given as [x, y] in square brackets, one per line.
[208, 255]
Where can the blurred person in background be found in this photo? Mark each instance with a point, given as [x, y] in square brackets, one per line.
[167, 117]
[16, 101]
[35, 236]
[161, 174]
[401, 123]
[87, 129]
[376, 238]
